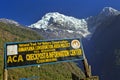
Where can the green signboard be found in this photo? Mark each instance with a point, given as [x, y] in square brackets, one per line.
[19, 54]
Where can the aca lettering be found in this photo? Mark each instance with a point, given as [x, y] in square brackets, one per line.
[13, 59]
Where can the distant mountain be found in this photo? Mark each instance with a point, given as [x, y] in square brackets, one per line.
[8, 21]
[109, 11]
[56, 25]
[61, 26]
[94, 21]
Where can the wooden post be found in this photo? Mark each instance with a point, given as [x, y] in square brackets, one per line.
[87, 68]
[5, 74]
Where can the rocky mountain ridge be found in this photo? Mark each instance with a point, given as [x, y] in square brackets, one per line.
[60, 25]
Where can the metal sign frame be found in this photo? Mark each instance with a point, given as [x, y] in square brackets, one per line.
[16, 53]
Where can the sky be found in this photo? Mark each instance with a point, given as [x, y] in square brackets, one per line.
[27, 12]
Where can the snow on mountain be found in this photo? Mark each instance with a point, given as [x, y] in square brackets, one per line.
[9, 21]
[61, 25]
[68, 23]
[109, 11]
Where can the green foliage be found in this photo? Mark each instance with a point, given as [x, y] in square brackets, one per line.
[60, 71]
[23, 33]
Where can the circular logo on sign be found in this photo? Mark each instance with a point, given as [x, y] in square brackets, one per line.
[75, 44]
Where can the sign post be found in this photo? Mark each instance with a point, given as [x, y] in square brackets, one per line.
[5, 74]
[87, 69]
[88, 74]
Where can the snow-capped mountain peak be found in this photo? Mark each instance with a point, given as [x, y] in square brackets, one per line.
[61, 19]
[55, 21]
[60, 25]
[108, 11]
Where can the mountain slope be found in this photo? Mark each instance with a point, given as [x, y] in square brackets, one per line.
[106, 47]
[13, 33]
